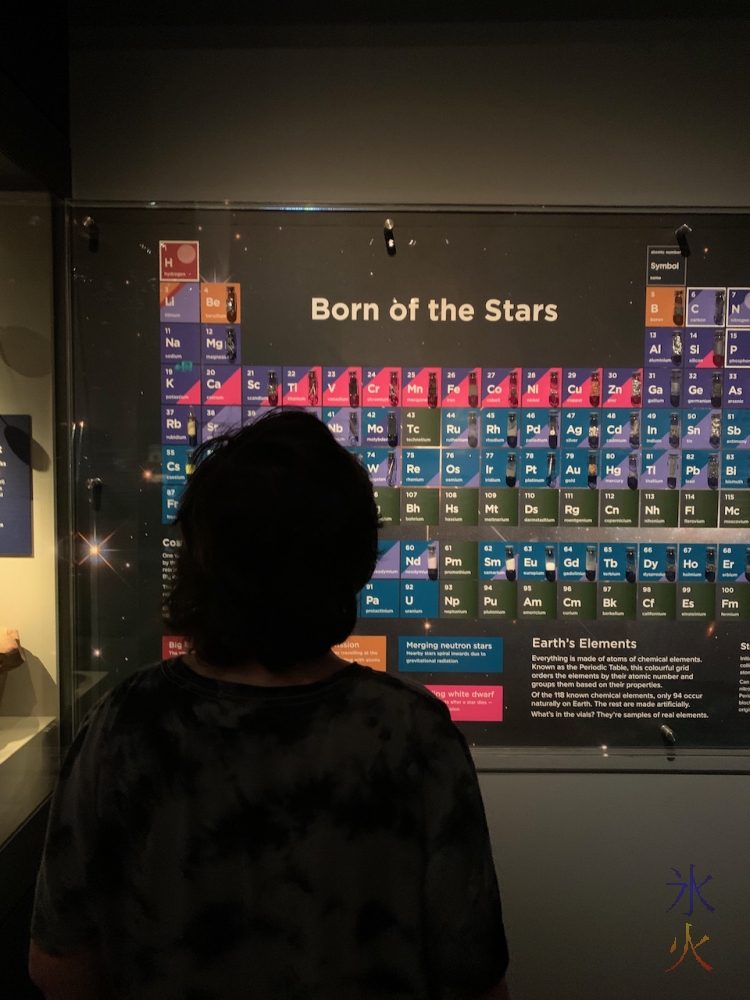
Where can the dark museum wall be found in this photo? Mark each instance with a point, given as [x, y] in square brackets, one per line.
[557, 114]
[644, 113]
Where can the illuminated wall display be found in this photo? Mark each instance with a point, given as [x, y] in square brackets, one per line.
[559, 449]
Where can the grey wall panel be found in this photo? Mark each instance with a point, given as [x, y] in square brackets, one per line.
[647, 114]
[583, 861]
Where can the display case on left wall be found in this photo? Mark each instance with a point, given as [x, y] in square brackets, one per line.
[29, 656]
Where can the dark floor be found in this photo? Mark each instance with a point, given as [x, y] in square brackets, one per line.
[14, 951]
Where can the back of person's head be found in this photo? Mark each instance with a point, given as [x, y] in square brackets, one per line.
[280, 533]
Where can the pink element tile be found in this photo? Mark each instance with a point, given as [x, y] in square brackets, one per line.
[471, 702]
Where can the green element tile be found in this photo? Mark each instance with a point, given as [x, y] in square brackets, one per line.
[498, 507]
[733, 601]
[618, 508]
[539, 506]
[696, 602]
[735, 509]
[699, 508]
[576, 600]
[420, 505]
[497, 599]
[458, 598]
[657, 600]
[616, 600]
[660, 508]
[537, 599]
[460, 506]
[459, 559]
[579, 508]
[420, 427]
[388, 500]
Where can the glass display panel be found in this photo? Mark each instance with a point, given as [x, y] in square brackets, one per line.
[553, 408]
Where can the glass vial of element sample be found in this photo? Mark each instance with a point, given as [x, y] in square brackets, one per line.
[636, 389]
[473, 390]
[273, 389]
[554, 428]
[717, 390]
[391, 476]
[511, 434]
[353, 427]
[676, 348]
[353, 390]
[554, 389]
[719, 348]
[671, 568]
[231, 304]
[472, 435]
[720, 307]
[592, 469]
[551, 468]
[312, 388]
[632, 471]
[591, 562]
[672, 471]
[231, 345]
[630, 565]
[713, 471]
[747, 564]
[393, 389]
[674, 430]
[595, 390]
[510, 563]
[190, 464]
[432, 564]
[675, 384]
[432, 395]
[635, 430]
[510, 470]
[711, 563]
[392, 429]
[678, 315]
[593, 430]
[550, 569]
[715, 436]
[192, 429]
[513, 388]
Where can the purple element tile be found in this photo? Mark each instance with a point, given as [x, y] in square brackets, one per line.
[738, 309]
[174, 421]
[183, 306]
[220, 420]
[180, 342]
[738, 349]
[389, 563]
[258, 385]
[181, 386]
[695, 469]
[706, 306]
[216, 345]
[661, 345]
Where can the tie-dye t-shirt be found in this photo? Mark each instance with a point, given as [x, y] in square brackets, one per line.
[319, 842]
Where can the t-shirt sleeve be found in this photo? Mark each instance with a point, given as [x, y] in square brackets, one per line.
[466, 945]
[63, 916]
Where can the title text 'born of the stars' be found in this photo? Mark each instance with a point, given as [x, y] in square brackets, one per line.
[441, 311]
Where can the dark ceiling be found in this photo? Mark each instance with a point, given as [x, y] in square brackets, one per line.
[134, 13]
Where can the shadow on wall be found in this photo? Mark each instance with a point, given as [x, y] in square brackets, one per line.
[28, 690]
[25, 351]
[26, 448]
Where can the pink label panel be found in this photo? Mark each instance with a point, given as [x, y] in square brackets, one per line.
[381, 386]
[422, 387]
[471, 702]
[342, 386]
